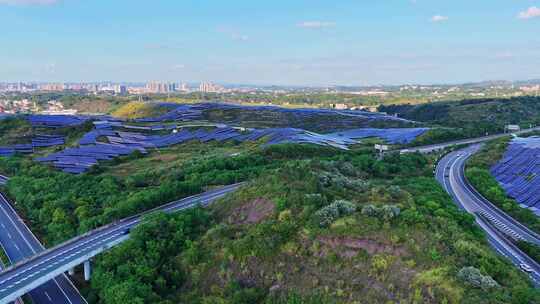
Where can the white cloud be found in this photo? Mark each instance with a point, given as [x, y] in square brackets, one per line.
[439, 18]
[316, 24]
[532, 12]
[28, 2]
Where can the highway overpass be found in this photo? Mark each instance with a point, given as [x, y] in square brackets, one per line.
[19, 243]
[32, 273]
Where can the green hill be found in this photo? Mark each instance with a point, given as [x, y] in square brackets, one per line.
[313, 225]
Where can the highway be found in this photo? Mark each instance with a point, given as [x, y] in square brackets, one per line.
[32, 273]
[2, 267]
[441, 146]
[19, 244]
[499, 227]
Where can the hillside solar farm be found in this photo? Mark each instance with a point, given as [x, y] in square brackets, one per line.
[518, 172]
[317, 120]
[112, 137]
[39, 140]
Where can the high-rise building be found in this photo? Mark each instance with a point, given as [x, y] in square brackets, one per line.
[52, 87]
[208, 87]
[160, 87]
[120, 89]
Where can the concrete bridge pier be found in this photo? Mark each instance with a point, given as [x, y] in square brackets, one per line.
[87, 271]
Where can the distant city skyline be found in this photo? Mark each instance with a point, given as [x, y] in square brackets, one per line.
[297, 43]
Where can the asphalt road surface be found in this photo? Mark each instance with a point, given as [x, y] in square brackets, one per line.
[498, 226]
[19, 244]
[436, 147]
[54, 260]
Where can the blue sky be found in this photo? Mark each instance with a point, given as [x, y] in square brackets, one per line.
[288, 42]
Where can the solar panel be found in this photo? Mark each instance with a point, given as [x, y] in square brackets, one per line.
[518, 172]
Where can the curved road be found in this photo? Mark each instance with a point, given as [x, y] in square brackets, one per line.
[498, 226]
[33, 272]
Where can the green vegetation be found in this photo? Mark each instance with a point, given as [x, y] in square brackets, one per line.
[319, 98]
[478, 174]
[135, 110]
[438, 135]
[296, 99]
[17, 130]
[312, 225]
[262, 118]
[63, 205]
[83, 103]
[92, 104]
[473, 117]
[394, 235]
[474, 277]
[155, 274]
[14, 130]
[532, 250]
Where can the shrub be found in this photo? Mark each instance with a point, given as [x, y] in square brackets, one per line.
[332, 212]
[370, 210]
[389, 212]
[475, 278]
[386, 212]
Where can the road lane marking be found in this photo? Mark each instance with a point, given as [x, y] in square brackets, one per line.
[110, 234]
[48, 297]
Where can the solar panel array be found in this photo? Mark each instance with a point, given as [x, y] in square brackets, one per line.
[392, 135]
[195, 112]
[92, 148]
[178, 113]
[53, 122]
[79, 160]
[111, 138]
[38, 141]
[518, 172]
[56, 121]
[45, 140]
[11, 150]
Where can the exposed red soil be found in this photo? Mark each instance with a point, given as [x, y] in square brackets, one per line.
[252, 212]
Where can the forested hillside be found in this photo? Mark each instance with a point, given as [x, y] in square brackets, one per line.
[473, 117]
[313, 225]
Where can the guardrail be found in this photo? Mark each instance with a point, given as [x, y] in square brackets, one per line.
[494, 208]
[508, 242]
[465, 141]
[111, 225]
